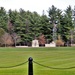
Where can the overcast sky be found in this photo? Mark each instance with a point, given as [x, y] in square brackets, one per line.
[36, 5]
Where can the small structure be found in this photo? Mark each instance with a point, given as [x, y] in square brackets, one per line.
[52, 44]
[35, 43]
[21, 46]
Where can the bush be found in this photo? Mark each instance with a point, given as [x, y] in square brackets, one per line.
[59, 42]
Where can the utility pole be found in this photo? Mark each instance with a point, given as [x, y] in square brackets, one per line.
[54, 31]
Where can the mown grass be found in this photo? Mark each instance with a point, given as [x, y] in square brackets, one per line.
[59, 57]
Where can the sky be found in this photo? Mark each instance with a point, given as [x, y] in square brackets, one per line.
[36, 5]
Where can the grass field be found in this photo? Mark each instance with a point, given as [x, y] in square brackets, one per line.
[59, 57]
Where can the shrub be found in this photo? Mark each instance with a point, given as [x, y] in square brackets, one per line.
[59, 42]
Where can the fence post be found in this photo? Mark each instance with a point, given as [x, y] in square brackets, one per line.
[30, 66]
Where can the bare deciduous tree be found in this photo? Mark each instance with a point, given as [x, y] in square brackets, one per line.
[7, 40]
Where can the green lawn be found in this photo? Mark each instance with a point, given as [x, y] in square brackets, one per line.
[59, 57]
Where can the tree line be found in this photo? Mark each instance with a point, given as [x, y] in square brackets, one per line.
[21, 27]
